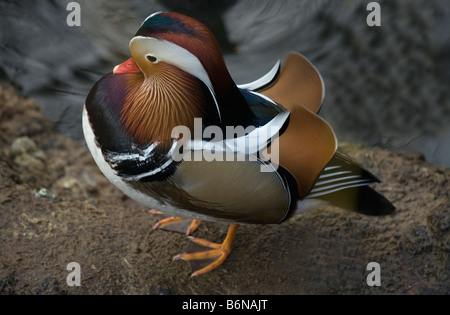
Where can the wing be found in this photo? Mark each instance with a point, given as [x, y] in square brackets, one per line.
[210, 180]
[345, 184]
[308, 142]
[305, 148]
[298, 82]
[234, 191]
[263, 108]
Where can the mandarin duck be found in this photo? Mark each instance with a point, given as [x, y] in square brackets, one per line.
[158, 125]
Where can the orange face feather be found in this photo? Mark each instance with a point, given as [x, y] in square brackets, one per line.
[157, 103]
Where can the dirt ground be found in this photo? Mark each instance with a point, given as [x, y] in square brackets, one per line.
[80, 217]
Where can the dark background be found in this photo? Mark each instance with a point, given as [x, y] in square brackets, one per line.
[385, 86]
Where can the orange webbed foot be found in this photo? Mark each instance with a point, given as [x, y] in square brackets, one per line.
[204, 256]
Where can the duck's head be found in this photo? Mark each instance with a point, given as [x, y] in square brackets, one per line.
[169, 38]
[177, 69]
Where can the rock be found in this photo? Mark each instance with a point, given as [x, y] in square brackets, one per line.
[26, 154]
[29, 161]
[40, 155]
[43, 193]
[23, 145]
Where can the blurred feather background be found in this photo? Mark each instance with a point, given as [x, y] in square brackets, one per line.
[386, 86]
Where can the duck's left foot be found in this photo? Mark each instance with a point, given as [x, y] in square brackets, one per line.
[175, 224]
[204, 256]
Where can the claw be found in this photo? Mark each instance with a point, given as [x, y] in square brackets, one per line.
[175, 224]
[204, 256]
[193, 227]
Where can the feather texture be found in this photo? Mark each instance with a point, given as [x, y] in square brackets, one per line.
[155, 104]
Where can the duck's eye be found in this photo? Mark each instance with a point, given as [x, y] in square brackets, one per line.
[152, 59]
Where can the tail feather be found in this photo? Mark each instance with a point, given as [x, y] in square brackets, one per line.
[344, 183]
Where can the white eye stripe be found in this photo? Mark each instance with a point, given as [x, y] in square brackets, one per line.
[172, 54]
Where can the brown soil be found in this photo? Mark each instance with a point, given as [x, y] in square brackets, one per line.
[83, 218]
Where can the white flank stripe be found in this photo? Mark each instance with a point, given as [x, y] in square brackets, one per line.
[134, 156]
[334, 174]
[323, 182]
[251, 143]
[334, 190]
[366, 181]
[329, 168]
[153, 172]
